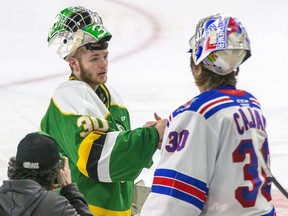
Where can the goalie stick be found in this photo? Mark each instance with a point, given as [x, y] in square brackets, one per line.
[257, 138]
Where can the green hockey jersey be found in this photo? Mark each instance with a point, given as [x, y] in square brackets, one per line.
[105, 155]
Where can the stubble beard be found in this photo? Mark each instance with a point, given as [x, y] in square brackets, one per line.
[87, 77]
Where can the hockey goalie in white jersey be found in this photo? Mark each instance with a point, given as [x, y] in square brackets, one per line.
[208, 164]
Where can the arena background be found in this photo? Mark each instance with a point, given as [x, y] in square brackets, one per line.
[149, 65]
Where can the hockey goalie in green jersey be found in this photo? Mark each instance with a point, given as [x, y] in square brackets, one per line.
[89, 120]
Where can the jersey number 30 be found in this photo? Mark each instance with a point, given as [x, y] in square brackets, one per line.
[177, 141]
[245, 196]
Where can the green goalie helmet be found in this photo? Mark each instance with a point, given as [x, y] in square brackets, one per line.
[74, 27]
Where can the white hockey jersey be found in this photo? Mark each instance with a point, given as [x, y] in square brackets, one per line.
[208, 164]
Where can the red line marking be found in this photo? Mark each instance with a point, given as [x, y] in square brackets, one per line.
[148, 42]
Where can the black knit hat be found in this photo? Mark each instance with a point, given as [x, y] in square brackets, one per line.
[37, 151]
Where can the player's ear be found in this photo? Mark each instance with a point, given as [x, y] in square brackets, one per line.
[74, 64]
[196, 69]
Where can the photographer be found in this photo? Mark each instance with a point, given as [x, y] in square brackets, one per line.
[32, 176]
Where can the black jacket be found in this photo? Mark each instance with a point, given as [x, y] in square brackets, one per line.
[28, 198]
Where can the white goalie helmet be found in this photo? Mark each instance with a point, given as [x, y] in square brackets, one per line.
[221, 43]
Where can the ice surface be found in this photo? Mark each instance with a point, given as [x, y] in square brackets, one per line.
[149, 65]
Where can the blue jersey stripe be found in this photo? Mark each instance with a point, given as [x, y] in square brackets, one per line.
[178, 194]
[218, 108]
[210, 98]
[181, 177]
[272, 213]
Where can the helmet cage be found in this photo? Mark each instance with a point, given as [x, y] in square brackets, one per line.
[74, 27]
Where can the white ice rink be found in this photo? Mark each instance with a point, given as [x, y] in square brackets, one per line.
[149, 65]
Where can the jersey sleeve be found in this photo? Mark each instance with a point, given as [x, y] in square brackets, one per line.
[181, 180]
[117, 156]
[97, 142]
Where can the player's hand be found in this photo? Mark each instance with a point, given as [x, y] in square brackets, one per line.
[64, 176]
[152, 123]
[160, 125]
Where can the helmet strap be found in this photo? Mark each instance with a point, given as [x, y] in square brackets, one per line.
[100, 45]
